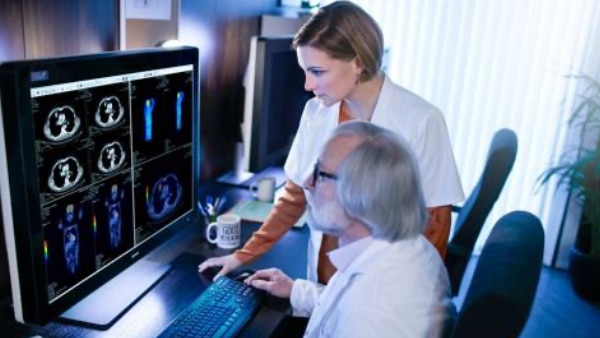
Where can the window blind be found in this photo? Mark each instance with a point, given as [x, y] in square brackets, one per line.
[497, 64]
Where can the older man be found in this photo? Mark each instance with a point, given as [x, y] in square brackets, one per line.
[390, 281]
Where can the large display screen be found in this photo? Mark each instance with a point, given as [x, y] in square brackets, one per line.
[99, 156]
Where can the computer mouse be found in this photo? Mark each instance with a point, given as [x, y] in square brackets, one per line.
[243, 274]
[209, 273]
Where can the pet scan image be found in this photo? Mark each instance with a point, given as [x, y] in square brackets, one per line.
[164, 198]
[71, 238]
[148, 119]
[113, 208]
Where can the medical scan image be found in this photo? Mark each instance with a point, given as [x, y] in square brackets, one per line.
[66, 173]
[148, 118]
[70, 232]
[110, 112]
[113, 209]
[62, 124]
[178, 102]
[164, 198]
[112, 157]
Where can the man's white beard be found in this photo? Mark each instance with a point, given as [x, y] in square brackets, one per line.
[328, 218]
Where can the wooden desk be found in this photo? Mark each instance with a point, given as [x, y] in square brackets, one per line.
[184, 251]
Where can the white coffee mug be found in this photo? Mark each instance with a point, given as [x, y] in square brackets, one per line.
[228, 232]
[264, 189]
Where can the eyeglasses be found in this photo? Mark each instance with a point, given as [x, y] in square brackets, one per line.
[319, 175]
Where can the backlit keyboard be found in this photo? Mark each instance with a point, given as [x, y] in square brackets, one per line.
[221, 310]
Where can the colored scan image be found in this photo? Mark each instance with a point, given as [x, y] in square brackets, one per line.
[113, 219]
[164, 197]
[86, 231]
[114, 216]
[68, 244]
[149, 119]
[162, 114]
[71, 246]
[162, 191]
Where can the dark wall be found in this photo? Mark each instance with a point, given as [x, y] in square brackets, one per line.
[11, 31]
[66, 27]
[222, 30]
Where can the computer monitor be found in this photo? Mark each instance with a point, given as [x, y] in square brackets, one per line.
[99, 162]
[273, 104]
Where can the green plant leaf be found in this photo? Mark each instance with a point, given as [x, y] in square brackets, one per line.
[579, 167]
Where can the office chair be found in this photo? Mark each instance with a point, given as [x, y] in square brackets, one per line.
[475, 210]
[503, 287]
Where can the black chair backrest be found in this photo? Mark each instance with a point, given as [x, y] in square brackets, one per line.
[475, 210]
[502, 290]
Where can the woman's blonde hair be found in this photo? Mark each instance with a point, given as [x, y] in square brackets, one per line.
[344, 31]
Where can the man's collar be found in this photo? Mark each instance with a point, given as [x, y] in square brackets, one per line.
[343, 256]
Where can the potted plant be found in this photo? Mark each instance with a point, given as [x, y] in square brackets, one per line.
[580, 173]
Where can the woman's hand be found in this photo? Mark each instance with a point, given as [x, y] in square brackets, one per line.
[273, 281]
[228, 264]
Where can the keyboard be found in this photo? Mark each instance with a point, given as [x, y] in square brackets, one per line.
[221, 310]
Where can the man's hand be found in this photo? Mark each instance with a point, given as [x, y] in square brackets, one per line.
[228, 264]
[273, 281]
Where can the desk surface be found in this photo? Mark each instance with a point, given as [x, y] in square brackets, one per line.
[183, 284]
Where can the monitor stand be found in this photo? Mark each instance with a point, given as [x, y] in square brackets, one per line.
[245, 179]
[103, 307]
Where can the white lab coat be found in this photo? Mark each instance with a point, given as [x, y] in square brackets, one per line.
[390, 290]
[397, 109]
